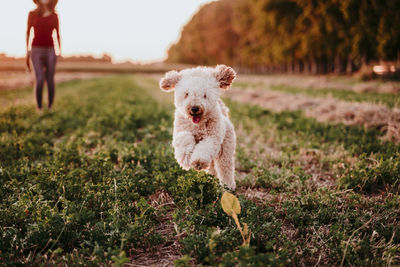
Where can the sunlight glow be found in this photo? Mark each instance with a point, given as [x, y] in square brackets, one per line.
[126, 29]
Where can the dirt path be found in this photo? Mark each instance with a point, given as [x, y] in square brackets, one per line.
[13, 80]
[324, 109]
[322, 82]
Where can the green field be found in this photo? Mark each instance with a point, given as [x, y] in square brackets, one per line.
[95, 182]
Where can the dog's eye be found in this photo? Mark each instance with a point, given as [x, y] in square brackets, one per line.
[186, 94]
[205, 96]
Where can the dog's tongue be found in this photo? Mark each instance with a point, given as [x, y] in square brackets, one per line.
[196, 119]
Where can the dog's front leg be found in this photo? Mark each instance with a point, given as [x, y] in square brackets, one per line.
[204, 152]
[183, 143]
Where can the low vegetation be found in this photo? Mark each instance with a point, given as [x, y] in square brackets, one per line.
[95, 182]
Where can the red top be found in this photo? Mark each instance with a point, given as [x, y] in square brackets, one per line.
[43, 28]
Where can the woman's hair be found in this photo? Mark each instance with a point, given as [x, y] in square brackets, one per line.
[40, 8]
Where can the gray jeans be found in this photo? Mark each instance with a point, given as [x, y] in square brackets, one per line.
[44, 63]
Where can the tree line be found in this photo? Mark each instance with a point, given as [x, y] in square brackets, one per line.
[314, 36]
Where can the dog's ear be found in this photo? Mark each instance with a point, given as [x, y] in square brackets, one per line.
[224, 75]
[170, 80]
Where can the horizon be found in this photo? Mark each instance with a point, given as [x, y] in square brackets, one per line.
[125, 37]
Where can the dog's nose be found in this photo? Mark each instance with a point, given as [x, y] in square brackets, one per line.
[195, 109]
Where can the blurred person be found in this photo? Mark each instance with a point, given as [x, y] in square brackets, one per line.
[44, 21]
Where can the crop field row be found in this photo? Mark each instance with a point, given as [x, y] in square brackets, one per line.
[323, 83]
[95, 182]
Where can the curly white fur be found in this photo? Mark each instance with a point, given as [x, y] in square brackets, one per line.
[204, 137]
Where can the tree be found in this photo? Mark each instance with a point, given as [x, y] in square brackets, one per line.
[317, 36]
[208, 38]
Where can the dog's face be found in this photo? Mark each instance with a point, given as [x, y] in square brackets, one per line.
[195, 97]
[197, 90]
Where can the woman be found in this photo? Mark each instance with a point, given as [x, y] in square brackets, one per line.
[44, 21]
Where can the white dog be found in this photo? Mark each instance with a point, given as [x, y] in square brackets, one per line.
[204, 137]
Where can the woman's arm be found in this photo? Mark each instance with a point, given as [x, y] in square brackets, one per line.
[58, 36]
[28, 33]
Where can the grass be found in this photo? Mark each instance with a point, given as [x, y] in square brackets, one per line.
[377, 165]
[82, 185]
[70, 179]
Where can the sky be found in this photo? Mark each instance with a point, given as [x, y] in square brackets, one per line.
[136, 30]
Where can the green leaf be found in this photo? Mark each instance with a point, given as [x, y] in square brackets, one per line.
[120, 260]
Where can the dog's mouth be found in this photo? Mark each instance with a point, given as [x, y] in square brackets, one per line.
[196, 118]
[196, 112]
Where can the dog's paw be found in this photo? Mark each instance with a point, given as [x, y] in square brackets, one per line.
[200, 164]
[186, 160]
[231, 185]
[183, 160]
